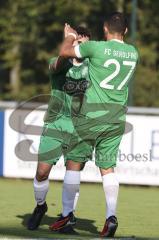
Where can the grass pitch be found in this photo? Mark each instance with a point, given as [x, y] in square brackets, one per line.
[138, 210]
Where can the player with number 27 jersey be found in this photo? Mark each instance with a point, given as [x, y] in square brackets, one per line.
[112, 64]
[102, 122]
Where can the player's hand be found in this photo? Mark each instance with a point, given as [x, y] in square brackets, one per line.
[68, 29]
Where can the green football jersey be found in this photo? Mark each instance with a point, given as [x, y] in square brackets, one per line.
[67, 87]
[111, 66]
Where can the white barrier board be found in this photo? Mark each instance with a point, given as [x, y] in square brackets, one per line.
[138, 160]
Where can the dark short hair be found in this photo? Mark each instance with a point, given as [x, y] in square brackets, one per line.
[116, 23]
[83, 31]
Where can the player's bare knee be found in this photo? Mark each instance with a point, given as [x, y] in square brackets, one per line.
[41, 175]
[73, 166]
[105, 171]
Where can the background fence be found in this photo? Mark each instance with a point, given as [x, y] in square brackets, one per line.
[138, 158]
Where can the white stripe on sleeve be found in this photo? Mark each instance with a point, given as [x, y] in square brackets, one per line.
[77, 51]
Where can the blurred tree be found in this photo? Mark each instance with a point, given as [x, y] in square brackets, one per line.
[24, 43]
[17, 28]
[31, 31]
[147, 41]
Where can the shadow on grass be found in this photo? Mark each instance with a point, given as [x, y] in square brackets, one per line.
[82, 224]
[85, 225]
[89, 230]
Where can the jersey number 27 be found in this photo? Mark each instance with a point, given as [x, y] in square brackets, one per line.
[106, 82]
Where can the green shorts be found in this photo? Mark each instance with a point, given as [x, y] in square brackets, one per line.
[93, 135]
[55, 139]
[77, 138]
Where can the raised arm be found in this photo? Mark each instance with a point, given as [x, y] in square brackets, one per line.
[67, 49]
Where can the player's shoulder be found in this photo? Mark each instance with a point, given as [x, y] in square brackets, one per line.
[52, 60]
[131, 47]
[95, 43]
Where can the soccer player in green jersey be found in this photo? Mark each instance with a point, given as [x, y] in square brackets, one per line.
[102, 121]
[69, 80]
